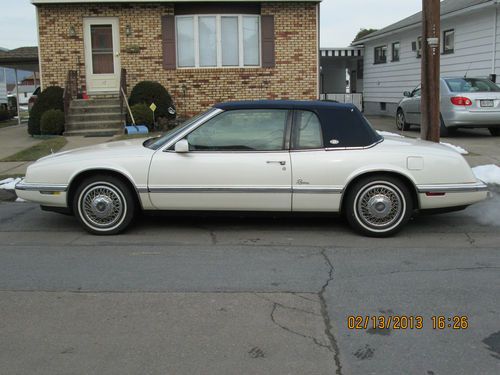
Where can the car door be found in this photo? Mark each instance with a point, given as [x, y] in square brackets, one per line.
[316, 184]
[413, 107]
[237, 160]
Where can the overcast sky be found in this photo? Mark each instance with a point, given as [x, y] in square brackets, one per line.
[340, 19]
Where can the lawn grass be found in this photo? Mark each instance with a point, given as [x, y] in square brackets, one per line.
[39, 150]
[6, 123]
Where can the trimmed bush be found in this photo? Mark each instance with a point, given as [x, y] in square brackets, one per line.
[52, 122]
[50, 98]
[4, 114]
[143, 115]
[148, 92]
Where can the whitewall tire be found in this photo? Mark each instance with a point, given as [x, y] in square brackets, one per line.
[378, 206]
[104, 205]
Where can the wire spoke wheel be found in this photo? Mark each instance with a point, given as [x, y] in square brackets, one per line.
[102, 206]
[379, 206]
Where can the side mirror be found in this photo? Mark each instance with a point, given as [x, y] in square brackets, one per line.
[182, 146]
[407, 94]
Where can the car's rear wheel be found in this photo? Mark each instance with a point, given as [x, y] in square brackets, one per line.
[445, 131]
[378, 206]
[401, 120]
[104, 205]
[495, 132]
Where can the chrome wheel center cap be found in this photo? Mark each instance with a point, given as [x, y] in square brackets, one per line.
[102, 206]
[379, 206]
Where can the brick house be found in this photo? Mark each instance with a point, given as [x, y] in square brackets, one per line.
[202, 52]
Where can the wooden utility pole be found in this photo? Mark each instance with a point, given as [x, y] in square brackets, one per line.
[431, 58]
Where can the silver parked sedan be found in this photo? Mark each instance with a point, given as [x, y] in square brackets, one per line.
[465, 103]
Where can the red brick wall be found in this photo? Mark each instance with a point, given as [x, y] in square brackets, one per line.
[295, 75]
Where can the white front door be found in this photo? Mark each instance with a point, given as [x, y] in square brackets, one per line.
[102, 54]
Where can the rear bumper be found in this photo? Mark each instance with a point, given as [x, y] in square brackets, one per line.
[442, 196]
[472, 119]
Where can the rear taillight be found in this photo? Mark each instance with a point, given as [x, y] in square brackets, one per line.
[461, 100]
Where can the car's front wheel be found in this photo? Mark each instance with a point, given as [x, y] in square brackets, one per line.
[104, 205]
[401, 120]
[378, 206]
[495, 132]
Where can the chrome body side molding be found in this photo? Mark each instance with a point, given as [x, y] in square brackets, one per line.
[41, 187]
[452, 188]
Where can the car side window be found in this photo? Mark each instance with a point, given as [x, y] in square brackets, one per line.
[307, 131]
[241, 130]
[416, 93]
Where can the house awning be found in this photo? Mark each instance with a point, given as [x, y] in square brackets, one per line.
[23, 58]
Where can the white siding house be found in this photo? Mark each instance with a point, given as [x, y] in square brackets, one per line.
[472, 47]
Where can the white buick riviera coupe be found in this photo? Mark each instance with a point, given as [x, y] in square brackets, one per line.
[278, 156]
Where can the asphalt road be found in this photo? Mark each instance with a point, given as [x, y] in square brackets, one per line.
[247, 295]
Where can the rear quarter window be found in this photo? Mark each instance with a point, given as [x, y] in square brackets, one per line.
[471, 85]
[345, 127]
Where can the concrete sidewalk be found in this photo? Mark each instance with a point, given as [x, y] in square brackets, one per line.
[16, 138]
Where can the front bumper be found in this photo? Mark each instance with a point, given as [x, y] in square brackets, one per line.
[54, 195]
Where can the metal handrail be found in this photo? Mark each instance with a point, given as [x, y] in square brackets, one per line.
[70, 91]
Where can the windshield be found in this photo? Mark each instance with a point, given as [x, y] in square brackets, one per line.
[471, 85]
[159, 142]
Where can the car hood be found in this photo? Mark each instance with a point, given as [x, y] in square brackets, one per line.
[108, 150]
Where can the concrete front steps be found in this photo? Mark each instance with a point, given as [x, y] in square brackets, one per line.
[95, 117]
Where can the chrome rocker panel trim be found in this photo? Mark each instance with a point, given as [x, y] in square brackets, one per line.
[249, 190]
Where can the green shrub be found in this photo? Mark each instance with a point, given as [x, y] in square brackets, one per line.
[148, 92]
[143, 115]
[4, 114]
[50, 98]
[52, 122]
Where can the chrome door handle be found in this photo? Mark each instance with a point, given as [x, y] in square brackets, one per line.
[276, 162]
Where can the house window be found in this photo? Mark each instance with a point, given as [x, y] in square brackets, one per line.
[449, 41]
[395, 51]
[211, 41]
[419, 47]
[381, 55]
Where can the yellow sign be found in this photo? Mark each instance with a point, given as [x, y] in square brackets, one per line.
[153, 107]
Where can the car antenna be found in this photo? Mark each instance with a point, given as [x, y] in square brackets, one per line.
[467, 71]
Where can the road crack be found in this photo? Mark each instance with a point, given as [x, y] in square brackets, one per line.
[285, 328]
[471, 240]
[334, 348]
[283, 306]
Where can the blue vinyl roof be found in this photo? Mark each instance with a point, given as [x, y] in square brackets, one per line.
[282, 104]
